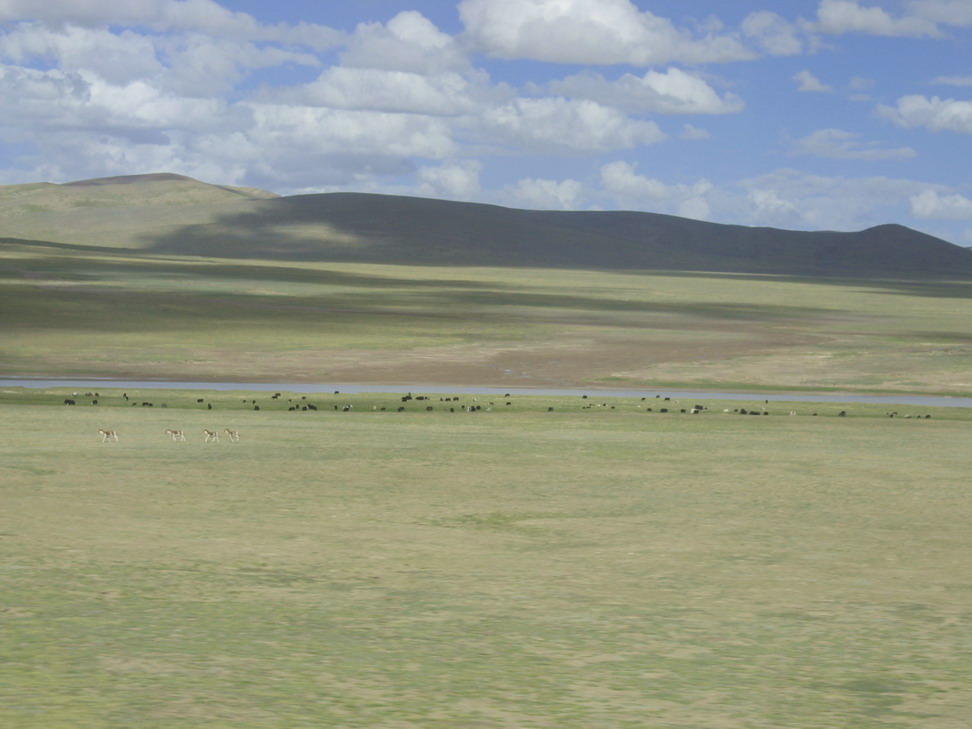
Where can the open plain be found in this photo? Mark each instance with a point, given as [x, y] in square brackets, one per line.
[598, 565]
[74, 312]
[479, 562]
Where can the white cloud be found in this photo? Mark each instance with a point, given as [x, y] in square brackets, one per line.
[696, 208]
[953, 80]
[451, 180]
[694, 133]
[556, 124]
[204, 16]
[319, 131]
[632, 191]
[76, 102]
[808, 82]
[384, 90]
[932, 113]
[579, 31]
[172, 63]
[840, 144]
[409, 42]
[769, 208]
[793, 199]
[772, 34]
[929, 204]
[847, 16]
[671, 92]
[117, 58]
[946, 12]
[537, 194]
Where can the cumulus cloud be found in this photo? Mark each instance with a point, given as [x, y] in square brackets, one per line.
[451, 180]
[203, 16]
[672, 92]
[320, 131]
[538, 194]
[408, 42]
[171, 62]
[947, 12]
[793, 199]
[840, 144]
[773, 34]
[568, 126]
[932, 113]
[770, 208]
[73, 102]
[118, 58]
[384, 90]
[579, 31]
[639, 192]
[930, 204]
[808, 82]
[848, 16]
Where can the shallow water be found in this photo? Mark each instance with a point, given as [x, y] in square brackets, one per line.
[918, 400]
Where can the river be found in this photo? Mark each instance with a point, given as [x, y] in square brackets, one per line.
[346, 388]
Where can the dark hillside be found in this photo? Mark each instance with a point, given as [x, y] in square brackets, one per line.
[171, 213]
[392, 229]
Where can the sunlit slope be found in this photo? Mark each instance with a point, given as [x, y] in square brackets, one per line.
[117, 212]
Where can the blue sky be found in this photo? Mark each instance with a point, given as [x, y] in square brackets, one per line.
[808, 114]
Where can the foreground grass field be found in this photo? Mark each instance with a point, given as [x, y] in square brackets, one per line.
[516, 568]
[75, 312]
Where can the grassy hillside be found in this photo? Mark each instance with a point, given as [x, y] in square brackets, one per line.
[116, 212]
[173, 214]
[388, 229]
[71, 312]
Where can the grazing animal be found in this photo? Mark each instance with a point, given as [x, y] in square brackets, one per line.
[175, 434]
[69, 401]
[234, 435]
[211, 436]
[108, 435]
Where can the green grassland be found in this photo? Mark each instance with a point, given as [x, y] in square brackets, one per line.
[120, 215]
[540, 562]
[69, 311]
[599, 566]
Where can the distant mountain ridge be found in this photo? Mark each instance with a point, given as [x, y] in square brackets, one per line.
[175, 214]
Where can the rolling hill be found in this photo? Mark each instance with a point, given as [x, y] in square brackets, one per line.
[171, 214]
